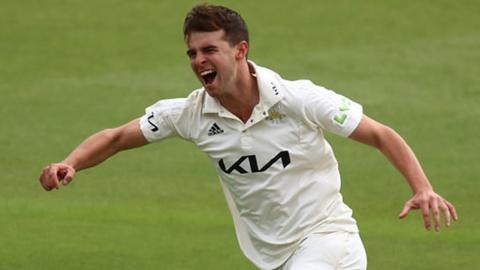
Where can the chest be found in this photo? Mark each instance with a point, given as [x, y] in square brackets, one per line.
[271, 138]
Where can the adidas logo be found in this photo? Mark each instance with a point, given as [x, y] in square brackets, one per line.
[214, 130]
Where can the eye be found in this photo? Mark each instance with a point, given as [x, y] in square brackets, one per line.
[210, 49]
[191, 54]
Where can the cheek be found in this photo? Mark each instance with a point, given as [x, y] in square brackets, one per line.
[192, 66]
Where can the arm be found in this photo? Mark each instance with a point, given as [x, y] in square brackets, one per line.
[91, 152]
[392, 145]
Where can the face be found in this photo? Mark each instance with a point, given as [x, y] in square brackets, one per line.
[214, 61]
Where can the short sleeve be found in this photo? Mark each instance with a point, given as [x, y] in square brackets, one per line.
[332, 112]
[160, 119]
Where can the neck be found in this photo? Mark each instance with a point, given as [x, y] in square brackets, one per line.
[243, 94]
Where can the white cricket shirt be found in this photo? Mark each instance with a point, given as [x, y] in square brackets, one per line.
[279, 175]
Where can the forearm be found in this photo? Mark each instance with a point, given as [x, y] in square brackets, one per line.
[91, 152]
[94, 150]
[397, 151]
[394, 147]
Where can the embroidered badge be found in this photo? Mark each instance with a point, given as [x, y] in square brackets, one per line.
[275, 114]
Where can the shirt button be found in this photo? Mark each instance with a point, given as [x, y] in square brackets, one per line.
[264, 113]
[251, 121]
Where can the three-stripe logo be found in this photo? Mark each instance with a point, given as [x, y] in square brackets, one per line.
[214, 130]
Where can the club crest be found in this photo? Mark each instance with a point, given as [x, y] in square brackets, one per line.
[275, 114]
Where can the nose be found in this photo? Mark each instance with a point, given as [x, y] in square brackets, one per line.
[199, 60]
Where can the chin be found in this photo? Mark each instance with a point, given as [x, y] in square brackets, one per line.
[211, 91]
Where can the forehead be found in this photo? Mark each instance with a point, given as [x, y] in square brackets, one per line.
[201, 39]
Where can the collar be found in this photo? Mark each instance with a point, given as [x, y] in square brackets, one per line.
[269, 86]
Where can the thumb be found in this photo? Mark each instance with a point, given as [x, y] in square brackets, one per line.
[69, 176]
[405, 211]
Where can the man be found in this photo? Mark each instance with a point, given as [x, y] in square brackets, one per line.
[264, 135]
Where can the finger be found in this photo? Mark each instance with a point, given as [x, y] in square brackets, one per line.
[406, 209]
[44, 185]
[436, 214]
[446, 213]
[44, 179]
[52, 177]
[452, 210]
[61, 173]
[40, 179]
[56, 181]
[426, 215]
[43, 174]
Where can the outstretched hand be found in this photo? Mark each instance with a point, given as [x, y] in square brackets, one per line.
[429, 200]
[55, 173]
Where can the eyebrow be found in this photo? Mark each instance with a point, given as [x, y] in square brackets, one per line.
[208, 47]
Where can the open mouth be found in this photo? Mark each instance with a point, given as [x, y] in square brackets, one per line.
[208, 76]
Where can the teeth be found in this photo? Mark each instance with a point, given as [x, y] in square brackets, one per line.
[206, 72]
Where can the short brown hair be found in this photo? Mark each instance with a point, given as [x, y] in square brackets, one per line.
[210, 18]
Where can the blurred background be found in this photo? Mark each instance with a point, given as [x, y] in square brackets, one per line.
[70, 68]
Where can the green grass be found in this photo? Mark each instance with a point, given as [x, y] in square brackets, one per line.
[70, 68]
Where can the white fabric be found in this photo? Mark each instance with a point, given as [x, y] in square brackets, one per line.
[279, 175]
[329, 251]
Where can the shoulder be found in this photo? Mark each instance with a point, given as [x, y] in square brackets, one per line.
[304, 88]
[175, 116]
[300, 93]
[267, 75]
[305, 93]
[273, 84]
[175, 106]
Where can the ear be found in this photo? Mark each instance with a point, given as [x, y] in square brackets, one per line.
[242, 50]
